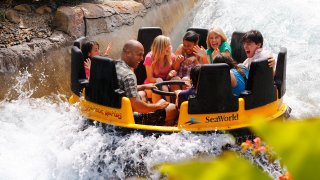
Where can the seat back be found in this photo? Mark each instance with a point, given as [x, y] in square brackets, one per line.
[203, 35]
[77, 70]
[260, 85]
[214, 94]
[78, 42]
[281, 70]
[238, 52]
[103, 84]
[146, 36]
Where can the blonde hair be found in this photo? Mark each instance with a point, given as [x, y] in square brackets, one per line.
[158, 47]
[218, 31]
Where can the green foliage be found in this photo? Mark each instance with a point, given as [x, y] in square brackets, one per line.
[228, 166]
[296, 143]
[2, 15]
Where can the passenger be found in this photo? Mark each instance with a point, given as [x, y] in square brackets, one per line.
[183, 95]
[216, 44]
[253, 46]
[238, 73]
[160, 113]
[158, 63]
[185, 56]
[90, 49]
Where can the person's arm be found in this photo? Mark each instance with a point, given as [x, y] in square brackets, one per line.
[150, 74]
[108, 50]
[145, 86]
[142, 107]
[272, 64]
[201, 52]
[233, 79]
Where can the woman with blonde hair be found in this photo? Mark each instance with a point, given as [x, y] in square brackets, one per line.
[159, 60]
[216, 44]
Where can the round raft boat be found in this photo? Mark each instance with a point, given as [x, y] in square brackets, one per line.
[213, 108]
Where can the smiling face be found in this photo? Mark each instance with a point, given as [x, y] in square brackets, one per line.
[94, 51]
[188, 47]
[135, 56]
[250, 48]
[214, 40]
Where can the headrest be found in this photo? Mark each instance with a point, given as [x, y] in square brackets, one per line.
[77, 70]
[281, 70]
[146, 36]
[203, 35]
[78, 42]
[103, 83]
[260, 85]
[214, 93]
[238, 52]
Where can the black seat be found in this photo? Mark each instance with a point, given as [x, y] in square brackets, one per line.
[238, 52]
[146, 36]
[214, 94]
[203, 35]
[281, 69]
[103, 84]
[260, 88]
[78, 42]
[78, 76]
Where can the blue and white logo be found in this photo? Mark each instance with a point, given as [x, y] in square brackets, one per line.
[193, 121]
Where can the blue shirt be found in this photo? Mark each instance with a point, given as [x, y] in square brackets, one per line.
[241, 82]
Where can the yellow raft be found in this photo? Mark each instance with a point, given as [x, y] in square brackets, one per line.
[214, 108]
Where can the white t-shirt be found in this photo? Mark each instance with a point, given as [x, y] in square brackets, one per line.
[259, 54]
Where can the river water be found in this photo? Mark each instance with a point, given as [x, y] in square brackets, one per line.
[46, 138]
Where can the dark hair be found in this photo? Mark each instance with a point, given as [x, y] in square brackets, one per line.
[87, 47]
[222, 58]
[191, 36]
[254, 36]
[194, 74]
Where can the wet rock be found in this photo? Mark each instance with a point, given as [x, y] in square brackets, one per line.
[70, 20]
[9, 61]
[43, 9]
[23, 8]
[13, 16]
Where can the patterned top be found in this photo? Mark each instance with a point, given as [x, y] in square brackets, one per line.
[185, 68]
[126, 79]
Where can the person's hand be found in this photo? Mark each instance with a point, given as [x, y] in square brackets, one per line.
[149, 86]
[87, 63]
[108, 50]
[191, 60]
[172, 74]
[215, 53]
[201, 52]
[161, 104]
[271, 62]
[179, 58]
[177, 92]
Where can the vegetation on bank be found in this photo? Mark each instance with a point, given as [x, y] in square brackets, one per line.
[296, 144]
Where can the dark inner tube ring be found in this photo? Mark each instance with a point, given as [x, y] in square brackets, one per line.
[163, 93]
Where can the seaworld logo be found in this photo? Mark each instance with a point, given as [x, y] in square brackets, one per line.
[233, 117]
[193, 121]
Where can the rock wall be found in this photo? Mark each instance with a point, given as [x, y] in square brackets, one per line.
[108, 20]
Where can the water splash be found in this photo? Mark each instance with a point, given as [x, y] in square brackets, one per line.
[293, 25]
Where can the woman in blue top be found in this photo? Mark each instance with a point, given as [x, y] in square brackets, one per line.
[238, 73]
[216, 43]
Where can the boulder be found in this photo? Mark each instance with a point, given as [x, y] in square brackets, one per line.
[13, 16]
[43, 9]
[23, 8]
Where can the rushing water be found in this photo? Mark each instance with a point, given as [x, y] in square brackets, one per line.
[46, 138]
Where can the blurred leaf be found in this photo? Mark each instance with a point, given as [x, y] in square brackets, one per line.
[296, 143]
[228, 166]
